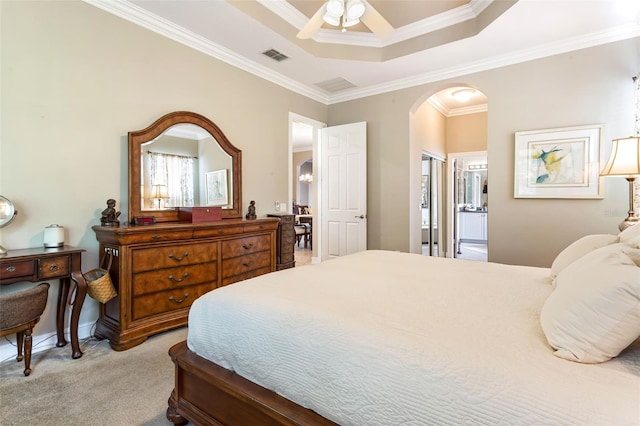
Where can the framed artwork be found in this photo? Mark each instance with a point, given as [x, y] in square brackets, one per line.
[558, 163]
[216, 187]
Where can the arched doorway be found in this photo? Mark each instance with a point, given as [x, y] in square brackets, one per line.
[446, 123]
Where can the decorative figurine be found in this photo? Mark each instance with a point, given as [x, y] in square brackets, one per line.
[110, 215]
[251, 214]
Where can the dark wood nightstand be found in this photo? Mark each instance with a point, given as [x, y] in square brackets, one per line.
[285, 239]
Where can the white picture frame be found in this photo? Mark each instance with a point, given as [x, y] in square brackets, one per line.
[558, 163]
[216, 188]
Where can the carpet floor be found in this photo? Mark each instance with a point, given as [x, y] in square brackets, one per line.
[104, 387]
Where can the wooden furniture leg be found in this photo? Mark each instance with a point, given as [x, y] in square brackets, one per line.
[63, 295]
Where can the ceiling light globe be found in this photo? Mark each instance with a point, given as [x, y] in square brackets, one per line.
[463, 95]
[346, 23]
[335, 8]
[355, 9]
[331, 20]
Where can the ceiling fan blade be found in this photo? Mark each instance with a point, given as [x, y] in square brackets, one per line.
[376, 22]
[313, 25]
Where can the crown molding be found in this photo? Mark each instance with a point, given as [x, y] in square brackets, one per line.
[612, 35]
[139, 16]
[289, 13]
[442, 108]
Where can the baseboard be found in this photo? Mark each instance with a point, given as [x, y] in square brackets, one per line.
[42, 342]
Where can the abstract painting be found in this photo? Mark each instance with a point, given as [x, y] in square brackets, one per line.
[558, 163]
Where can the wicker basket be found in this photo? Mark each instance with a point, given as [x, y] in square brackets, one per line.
[99, 284]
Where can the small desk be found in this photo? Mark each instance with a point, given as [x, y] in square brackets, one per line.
[41, 264]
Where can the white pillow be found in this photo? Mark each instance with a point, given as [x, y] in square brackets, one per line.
[631, 235]
[579, 248]
[594, 312]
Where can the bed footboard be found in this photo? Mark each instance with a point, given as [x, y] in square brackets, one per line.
[207, 394]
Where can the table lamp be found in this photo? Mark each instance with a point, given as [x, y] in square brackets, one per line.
[625, 161]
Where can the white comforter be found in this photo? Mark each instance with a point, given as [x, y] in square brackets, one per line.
[387, 338]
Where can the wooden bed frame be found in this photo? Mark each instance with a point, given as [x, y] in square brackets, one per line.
[207, 394]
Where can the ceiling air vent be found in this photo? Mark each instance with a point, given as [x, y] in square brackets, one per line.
[335, 85]
[275, 55]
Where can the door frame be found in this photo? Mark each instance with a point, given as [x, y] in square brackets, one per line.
[317, 126]
[450, 199]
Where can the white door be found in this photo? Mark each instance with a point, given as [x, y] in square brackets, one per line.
[343, 163]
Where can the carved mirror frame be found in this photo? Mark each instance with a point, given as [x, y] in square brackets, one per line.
[139, 137]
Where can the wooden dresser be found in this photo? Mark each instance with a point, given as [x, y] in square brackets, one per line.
[159, 270]
[285, 250]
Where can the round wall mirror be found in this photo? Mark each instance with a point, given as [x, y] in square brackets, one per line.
[7, 214]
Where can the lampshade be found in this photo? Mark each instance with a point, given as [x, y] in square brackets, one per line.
[624, 159]
[159, 191]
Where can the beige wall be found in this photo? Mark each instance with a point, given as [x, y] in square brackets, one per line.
[467, 133]
[427, 134]
[588, 86]
[76, 79]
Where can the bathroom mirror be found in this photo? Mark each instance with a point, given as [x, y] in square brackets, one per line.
[183, 160]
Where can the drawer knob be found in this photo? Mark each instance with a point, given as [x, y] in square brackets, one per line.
[174, 300]
[156, 237]
[11, 269]
[178, 280]
[247, 264]
[178, 259]
[247, 246]
[53, 267]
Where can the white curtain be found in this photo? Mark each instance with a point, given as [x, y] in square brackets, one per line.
[176, 172]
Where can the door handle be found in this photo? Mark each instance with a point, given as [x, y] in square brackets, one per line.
[362, 216]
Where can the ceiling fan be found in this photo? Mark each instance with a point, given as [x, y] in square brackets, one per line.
[346, 13]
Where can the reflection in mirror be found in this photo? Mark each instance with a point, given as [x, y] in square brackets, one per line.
[476, 192]
[185, 167]
[183, 160]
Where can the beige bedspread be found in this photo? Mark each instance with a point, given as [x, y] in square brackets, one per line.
[388, 338]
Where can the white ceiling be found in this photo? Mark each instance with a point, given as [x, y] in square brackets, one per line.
[426, 46]
[238, 31]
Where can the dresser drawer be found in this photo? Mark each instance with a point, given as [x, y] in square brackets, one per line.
[245, 276]
[242, 264]
[156, 237]
[242, 246]
[217, 232]
[174, 278]
[53, 267]
[18, 269]
[176, 255]
[169, 300]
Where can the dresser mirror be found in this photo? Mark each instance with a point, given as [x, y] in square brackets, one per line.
[183, 160]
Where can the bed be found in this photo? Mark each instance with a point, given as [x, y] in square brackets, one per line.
[389, 338]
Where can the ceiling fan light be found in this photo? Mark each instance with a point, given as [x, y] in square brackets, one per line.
[331, 20]
[346, 23]
[335, 8]
[355, 9]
